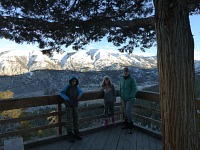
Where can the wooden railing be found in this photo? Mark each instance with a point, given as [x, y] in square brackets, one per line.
[142, 111]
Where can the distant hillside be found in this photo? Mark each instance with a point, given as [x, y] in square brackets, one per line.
[155, 88]
[48, 82]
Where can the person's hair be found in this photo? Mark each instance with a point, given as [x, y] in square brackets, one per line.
[106, 78]
[70, 81]
[126, 69]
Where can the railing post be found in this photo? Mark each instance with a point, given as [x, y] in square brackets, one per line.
[59, 109]
[121, 110]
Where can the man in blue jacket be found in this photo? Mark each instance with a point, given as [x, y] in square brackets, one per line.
[128, 90]
[71, 93]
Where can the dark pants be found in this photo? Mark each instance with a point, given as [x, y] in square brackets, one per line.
[72, 123]
[108, 108]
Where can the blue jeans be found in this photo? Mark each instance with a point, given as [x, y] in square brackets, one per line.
[128, 109]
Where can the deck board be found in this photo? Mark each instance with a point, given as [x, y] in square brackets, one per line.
[147, 142]
[112, 138]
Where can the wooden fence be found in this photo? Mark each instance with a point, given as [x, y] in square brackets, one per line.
[59, 123]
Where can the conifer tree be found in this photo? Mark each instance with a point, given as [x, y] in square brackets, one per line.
[135, 23]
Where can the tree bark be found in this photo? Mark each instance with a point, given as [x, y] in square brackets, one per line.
[176, 75]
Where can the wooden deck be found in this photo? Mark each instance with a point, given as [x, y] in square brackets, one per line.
[111, 138]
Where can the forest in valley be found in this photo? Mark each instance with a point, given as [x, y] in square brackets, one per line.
[155, 88]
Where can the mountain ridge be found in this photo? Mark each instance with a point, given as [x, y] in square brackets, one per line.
[32, 73]
[19, 62]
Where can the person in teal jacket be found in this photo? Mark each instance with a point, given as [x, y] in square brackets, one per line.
[70, 94]
[128, 90]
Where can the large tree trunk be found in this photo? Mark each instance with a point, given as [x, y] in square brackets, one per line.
[176, 75]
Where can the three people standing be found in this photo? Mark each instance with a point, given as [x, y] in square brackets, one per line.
[128, 90]
[71, 93]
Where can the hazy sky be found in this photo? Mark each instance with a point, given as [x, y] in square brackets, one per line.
[195, 26]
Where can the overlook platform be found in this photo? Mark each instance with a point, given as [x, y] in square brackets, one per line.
[41, 123]
[110, 138]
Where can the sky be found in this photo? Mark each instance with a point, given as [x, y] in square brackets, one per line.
[195, 27]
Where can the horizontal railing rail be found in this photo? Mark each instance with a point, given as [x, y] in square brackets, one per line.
[143, 112]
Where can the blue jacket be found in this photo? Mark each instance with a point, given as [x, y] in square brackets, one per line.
[71, 93]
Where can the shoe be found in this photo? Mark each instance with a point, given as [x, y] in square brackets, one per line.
[130, 131]
[78, 136]
[106, 122]
[113, 120]
[71, 137]
[130, 127]
[125, 124]
[125, 127]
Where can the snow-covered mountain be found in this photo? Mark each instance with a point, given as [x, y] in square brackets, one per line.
[31, 73]
[98, 60]
[17, 62]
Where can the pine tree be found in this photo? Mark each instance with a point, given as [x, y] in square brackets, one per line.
[135, 23]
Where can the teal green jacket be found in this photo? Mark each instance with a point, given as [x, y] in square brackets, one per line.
[128, 88]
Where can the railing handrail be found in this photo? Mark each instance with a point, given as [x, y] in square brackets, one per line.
[7, 104]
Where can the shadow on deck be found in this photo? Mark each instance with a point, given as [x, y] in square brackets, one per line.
[110, 138]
